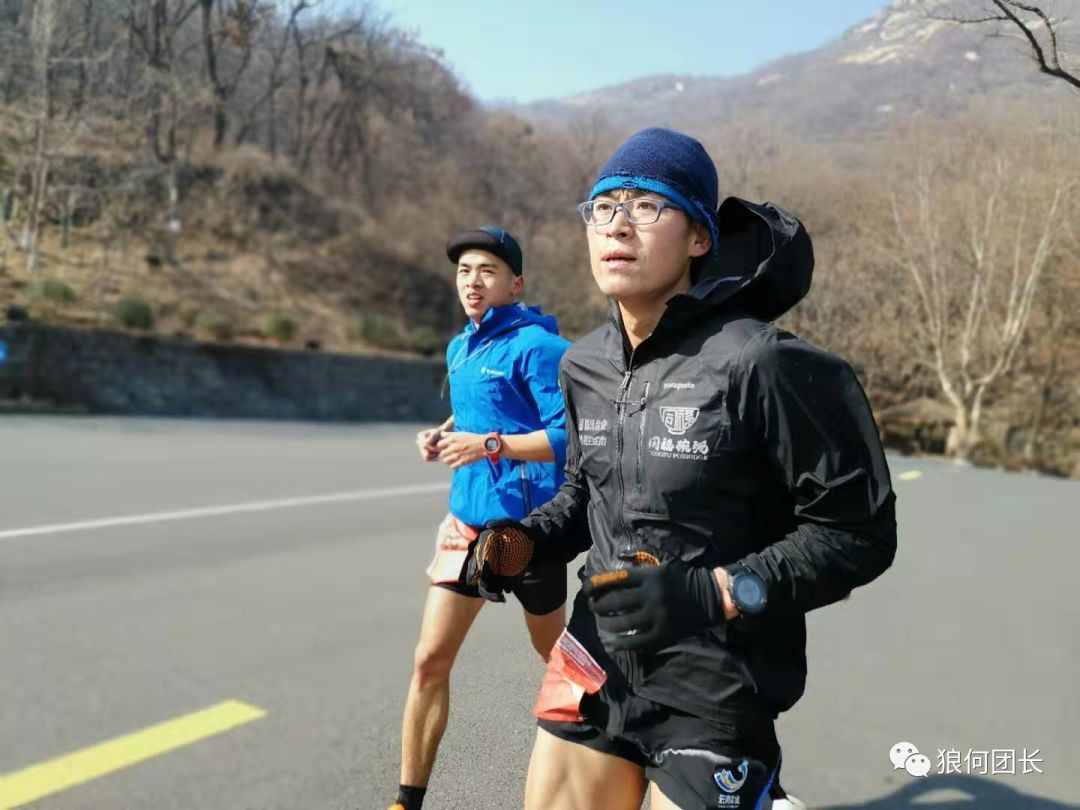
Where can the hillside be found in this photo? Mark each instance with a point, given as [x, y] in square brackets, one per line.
[267, 175]
[879, 72]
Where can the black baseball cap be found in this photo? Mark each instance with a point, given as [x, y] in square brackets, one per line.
[494, 240]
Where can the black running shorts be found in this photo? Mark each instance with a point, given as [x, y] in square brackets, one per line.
[698, 763]
[540, 590]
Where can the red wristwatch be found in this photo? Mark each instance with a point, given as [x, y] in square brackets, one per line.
[493, 447]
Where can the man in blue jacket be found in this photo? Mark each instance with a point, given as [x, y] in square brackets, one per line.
[506, 443]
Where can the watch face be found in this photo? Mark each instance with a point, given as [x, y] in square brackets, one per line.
[749, 593]
[491, 445]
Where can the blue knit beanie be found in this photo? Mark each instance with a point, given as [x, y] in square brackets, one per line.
[670, 164]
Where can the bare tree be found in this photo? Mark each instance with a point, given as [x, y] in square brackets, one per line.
[974, 234]
[278, 73]
[590, 140]
[52, 110]
[156, 29]
[366, 68]
[744, 148]
[42, 28]
[228, 37]
[1039, 29]
[315, 98]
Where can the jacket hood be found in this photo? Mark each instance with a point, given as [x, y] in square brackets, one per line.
[763, 265]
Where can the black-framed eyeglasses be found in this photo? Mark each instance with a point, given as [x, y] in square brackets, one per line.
[639, 210]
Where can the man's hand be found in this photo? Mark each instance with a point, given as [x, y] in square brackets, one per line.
[427, 440]
[723, 580]
[650, 607]
[498, 558]
[459, 449]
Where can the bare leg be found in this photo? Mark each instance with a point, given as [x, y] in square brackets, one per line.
[447, 619]
[567, 776]
[658, 801]
[544, 630]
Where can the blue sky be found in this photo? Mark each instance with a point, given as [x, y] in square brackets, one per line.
[528, 50]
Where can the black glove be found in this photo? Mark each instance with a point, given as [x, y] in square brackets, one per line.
[498, 558]
[650, 607]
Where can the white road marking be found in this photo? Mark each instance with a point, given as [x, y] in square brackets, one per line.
[910, 475]
[229, 509]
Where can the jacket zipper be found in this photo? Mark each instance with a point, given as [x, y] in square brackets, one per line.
[633, 670]
[639, 473]
[620, 410]
[524, 467]
[630, 667]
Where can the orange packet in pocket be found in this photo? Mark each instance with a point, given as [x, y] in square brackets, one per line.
[451, 550]
[571, 674]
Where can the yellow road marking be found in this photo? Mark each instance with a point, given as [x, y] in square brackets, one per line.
[21, 787]
[910, 475]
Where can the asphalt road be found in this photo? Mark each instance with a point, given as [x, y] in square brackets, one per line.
[308, 611]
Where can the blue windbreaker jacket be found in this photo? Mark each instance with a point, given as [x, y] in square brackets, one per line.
[504, 377]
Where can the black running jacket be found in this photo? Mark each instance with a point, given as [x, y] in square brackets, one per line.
[723, 439]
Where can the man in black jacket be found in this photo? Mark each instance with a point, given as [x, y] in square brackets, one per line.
[725, 477]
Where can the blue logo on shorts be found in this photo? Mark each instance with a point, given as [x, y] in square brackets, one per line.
[727, 782]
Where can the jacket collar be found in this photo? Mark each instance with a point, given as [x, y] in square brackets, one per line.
[495, 321]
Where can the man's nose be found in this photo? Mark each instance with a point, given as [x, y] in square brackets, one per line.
[619, 225]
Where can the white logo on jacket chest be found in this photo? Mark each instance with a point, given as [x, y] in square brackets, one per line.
[683, 449]
[678, 420]
[587, 426]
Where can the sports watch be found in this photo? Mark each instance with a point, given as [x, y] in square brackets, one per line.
[748, 591]
[493, 447]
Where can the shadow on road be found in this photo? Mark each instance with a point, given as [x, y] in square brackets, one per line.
[957, 792]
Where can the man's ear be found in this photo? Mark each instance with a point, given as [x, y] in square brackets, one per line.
[518, 286]
[701, 240]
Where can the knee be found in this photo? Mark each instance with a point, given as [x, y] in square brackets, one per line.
[544, 635]
[431, 666]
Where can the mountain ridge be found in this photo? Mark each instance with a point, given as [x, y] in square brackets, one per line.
[901, 61]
